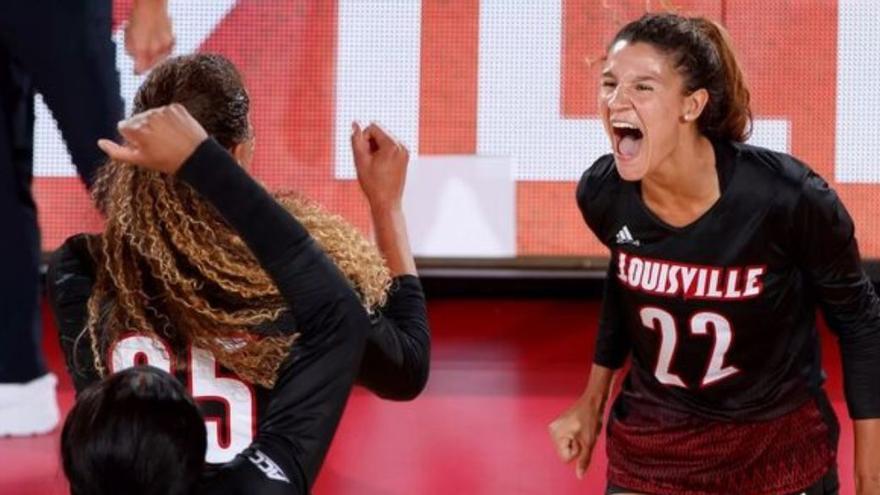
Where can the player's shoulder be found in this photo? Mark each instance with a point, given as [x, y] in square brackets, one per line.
[782, 171]
[601, 173]
[788, 182]
[597, 186]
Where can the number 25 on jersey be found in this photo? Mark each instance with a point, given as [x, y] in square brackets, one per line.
[227, 435]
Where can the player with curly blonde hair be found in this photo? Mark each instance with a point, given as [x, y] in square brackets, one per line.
[174, 282]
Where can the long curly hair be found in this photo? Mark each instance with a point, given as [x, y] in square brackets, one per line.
[169, 266]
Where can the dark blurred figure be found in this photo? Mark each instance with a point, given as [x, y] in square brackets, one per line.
[63, 50]
[137, 427]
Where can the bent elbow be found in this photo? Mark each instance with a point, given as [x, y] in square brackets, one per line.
[407, 388]
[415, 385]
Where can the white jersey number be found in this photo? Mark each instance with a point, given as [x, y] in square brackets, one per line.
[204, 383]
[700, 325]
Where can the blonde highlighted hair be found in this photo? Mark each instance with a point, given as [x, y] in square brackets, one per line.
[169, 266]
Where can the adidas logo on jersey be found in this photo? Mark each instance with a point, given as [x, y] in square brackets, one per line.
[267, 466]
[625, 237]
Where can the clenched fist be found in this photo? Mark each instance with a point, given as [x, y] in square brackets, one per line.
[159, 139]
[574, 434]
[381, 163]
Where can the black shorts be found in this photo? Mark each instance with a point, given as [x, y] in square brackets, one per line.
[828, 485]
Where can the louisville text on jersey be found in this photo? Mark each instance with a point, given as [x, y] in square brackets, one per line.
[672, 279]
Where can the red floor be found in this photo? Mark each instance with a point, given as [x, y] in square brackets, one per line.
[502, 370]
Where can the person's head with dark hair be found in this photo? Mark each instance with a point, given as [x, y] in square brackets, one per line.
[667, 78]
[211, 89]
[136, 432]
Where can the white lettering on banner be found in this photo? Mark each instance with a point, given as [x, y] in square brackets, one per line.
[519, 94]
[519, 97]
[856, 145]
[519, 87]
[378, 59]
[472, 211]
[193, 22]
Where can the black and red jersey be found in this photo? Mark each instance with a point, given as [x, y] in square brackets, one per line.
[264, 440]
[719, 316]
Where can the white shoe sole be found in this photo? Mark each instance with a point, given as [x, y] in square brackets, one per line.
[28, 409]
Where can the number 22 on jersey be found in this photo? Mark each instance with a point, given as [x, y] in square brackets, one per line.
[204, 383]
[700, 324]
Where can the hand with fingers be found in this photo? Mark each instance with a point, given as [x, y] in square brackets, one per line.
[148, 36]
[159, 139]
[574, 434]
[381, 163]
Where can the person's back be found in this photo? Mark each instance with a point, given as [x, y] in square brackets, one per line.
[232, 405]
[175, 283]
[311, 386]
[168, 283]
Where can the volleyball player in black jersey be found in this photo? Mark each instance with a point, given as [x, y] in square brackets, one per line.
[721, 254]
[139, 431]
[229, 323]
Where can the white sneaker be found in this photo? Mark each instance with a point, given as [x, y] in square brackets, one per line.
[29, 408]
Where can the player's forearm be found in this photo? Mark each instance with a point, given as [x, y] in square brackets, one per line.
[391, 237]
[867, 445]
[598, 388]
[859, 340]
[396, 360]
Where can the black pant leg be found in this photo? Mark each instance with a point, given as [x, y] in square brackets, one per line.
[66, 46]
[63, 49]
[20, 323]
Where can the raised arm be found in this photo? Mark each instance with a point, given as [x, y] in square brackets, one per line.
[314, 383]
[397, 355]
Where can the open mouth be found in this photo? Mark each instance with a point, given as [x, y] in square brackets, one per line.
[627, 139]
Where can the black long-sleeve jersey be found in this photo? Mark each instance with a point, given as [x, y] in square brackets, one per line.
[719, 316]
[269, 440]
